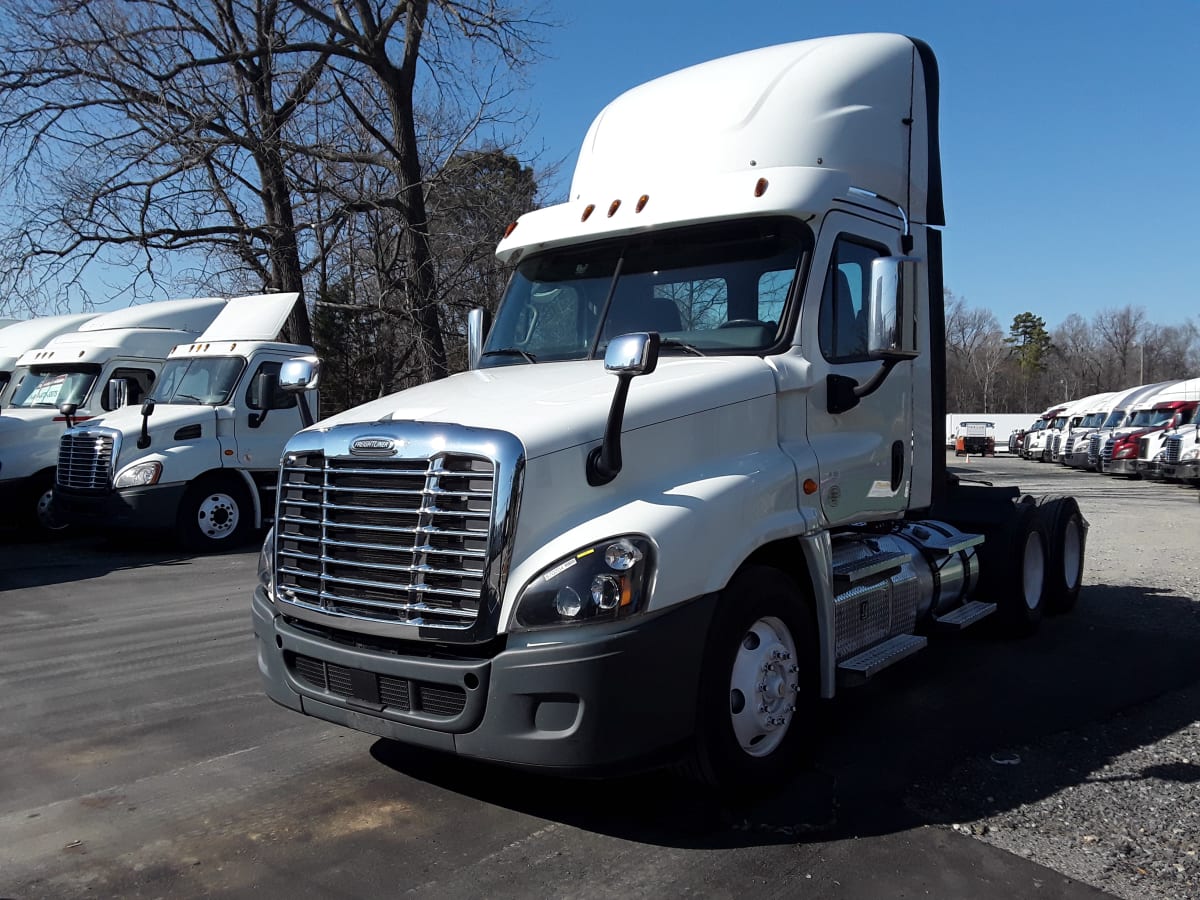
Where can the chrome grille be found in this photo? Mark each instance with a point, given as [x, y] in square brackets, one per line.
[1106, 452]
[399, 541]
[85, 460]
[1070, 445]
[1094, 449]
[1173, 449]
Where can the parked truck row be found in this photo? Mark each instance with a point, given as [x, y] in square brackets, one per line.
[161, 416]
[1147, 431]
[693, 482]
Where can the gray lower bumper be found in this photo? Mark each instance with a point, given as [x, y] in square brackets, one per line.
[155, 506]
[1184, 471]
[601, 697]
[1121, 467]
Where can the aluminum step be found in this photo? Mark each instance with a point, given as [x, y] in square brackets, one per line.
[964, 616]
[858, 569]
[871, 662]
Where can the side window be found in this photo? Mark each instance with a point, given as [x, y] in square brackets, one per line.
[138, 381]
[842, 328]
[281, 399]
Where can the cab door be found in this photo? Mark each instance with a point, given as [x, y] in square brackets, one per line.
[262, 425]
[864, 454]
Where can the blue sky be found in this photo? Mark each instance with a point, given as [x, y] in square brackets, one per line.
[1070, 131]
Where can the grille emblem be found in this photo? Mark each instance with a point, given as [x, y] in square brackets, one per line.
[373, 446]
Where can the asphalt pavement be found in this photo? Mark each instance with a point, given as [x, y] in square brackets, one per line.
[140, 758]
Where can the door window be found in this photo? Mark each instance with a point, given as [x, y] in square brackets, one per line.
[281, 399]
[843, 322]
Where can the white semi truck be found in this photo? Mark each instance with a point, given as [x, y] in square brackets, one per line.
[694, 480]
[201, 456]
[108, 361]
[18, 337]
[1094, 413]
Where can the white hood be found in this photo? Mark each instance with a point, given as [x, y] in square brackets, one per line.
[551, 406]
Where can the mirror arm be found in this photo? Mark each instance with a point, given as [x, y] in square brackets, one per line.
[257, 418]
[143, 440]
[306, 416]
[604, 462]
[843, 393]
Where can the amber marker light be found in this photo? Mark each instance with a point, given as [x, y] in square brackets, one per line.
[642, 201]
[587, 211]
[616, 204]
[509, 230]
[810, 486]
[760, 188]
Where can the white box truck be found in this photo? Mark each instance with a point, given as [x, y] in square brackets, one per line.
[108, 361]
[201, 456]
[694, 480]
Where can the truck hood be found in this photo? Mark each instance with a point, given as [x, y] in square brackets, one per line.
[164, 423]
[552, 406]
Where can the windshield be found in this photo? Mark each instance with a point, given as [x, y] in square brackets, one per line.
[51, 387]
[1152, 418]
[707, 290]
[198, 382]
[1039, 425]
[1059, 422]
[1092, 420]
[1115, 418]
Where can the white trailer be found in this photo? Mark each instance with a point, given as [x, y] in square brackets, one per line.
[694, 481]
[200, 457]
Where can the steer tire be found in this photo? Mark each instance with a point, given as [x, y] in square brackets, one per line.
[215, 514]
[1066, 530]
[737, 746]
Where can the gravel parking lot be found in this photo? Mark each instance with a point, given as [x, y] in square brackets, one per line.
[1127, 818]
[138, 756]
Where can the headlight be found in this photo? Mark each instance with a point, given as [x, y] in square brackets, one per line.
[1192, 453]
[1125, 452]
[266, 564]
[139, 474]
[609, 580]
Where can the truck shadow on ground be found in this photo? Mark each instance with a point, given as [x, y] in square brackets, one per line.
[885, 750]
[29, 561]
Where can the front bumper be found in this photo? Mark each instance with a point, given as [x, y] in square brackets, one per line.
[599, 697]
[1188, 470]
[1120, 467]
[154, 506]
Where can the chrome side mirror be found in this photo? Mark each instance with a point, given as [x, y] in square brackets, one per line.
[892, 323]
[117, 391]
[479, 323]
[632, 354]
[627, 356]
[299, 374]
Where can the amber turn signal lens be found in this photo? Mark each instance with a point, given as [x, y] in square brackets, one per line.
[760, 188]
[588, 210]
[810, 486]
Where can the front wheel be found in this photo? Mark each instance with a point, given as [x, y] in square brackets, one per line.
[39, 507]
[758, 687]
[214, 514]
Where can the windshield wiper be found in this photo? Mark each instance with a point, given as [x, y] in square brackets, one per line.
[670, 343]
[511, 351]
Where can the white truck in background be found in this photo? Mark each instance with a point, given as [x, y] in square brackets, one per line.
[1092, 416]
[694, 480]
[1059, 430]
[108, 361]
[200, 457]
[18, 337]
[1036, 444]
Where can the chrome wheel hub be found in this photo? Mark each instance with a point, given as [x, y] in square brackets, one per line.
[763, 686]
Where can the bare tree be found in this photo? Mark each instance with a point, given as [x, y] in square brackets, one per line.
[1117, 331]
[139, 130]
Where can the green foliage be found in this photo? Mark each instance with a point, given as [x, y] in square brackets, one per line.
[1031, 343]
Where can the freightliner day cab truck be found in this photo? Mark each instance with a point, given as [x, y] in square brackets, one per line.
[1094, 413]
[200, 457]
[695, 479]
[108, 361]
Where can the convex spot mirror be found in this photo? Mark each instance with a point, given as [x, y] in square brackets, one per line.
[892, 326]
[299, 374]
